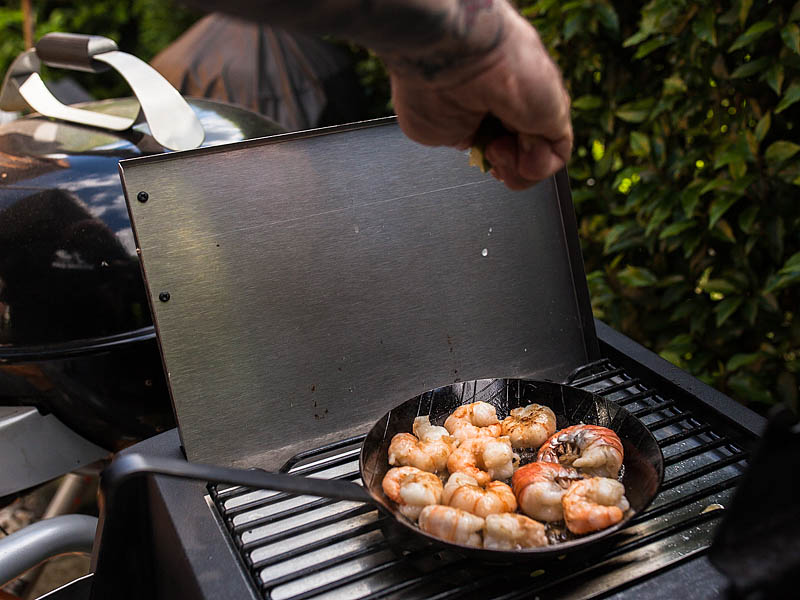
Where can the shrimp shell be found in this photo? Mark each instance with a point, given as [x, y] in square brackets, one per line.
[510, 531]
[411, 489]
[539, 488]
[462, 491]
[592, 450]
[472, 420]
[428, 455]
[452, 525]
[484, 458]
[594, 504]
[529, 426]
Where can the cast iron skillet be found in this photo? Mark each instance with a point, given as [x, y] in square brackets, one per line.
[643, 464]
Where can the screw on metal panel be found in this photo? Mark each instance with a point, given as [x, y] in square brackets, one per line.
[164, 296]
[142, 197]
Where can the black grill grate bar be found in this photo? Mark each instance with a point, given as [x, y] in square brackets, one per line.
[349, 579]
[705, 447]
[316, 545]
[649, 410]
[574, 377]
[586, 573]
[667, 421]
[300, 529]
[682, 435]
[704, 470]
[635, 397]
[685, 500]
[284, 514]
[616, 387]
[325, 564]
[312, 454]
[597, 377]
[261, 502]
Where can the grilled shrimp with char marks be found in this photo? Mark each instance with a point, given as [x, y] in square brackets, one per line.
[484, 458]
[452, 525]
[412, 489]
[428, 450]
[539, 488]
[462, 491]
[472, 420]
[592, 450]
[594, 504]
[510, 531]
[529, 426]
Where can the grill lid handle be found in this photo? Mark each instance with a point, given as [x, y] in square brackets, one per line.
[172, 122]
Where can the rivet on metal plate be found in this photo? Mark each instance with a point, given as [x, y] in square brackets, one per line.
[142, 197]
[164, 296]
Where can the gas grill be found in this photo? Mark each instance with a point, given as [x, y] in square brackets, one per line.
[291, 411]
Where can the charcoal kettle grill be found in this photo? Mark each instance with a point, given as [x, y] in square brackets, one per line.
[80, 370]
[323, 277]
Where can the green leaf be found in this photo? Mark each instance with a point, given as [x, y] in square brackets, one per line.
[791, 37]
[587, 102]
[690, 198]
[750, 310]
[640, 144]
[747, 218]
[763, 126]
[703, 27]
[652, 45]
[675, 229]
[636, 38]
[791, 266]
[608, 17]
[744, 11]
[720, 286]
[780, 151]
[719, 207]
[726, 308]
[748, 388]
[795, 14]
[751, 68]
[637, 277]
[753, 32]
[635, 112]
[737, 361]
[723, 230]
[790, 96]
[660, 215]
[573, 25]
[774, 77]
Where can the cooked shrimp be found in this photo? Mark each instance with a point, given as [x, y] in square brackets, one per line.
[510, 531]
[426, 432]
[593, 450]
[462, 491]
[484, 458]
[430, 454]
[471, 420]
[451, 524]
[593, 504]
[529, 426]
[412, 489]
[539, 488]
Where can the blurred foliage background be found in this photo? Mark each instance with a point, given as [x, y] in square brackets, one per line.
[685, 174]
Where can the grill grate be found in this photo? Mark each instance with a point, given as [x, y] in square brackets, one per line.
[298, 547]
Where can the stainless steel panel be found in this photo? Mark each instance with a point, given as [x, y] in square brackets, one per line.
[317, 280]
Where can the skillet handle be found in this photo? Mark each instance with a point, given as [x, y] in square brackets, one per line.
[130, 466]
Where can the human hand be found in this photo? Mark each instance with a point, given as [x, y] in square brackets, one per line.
[516, 81]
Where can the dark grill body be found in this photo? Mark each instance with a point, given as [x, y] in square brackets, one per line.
[232, 542]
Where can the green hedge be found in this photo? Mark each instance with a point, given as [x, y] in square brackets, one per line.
[685, 177]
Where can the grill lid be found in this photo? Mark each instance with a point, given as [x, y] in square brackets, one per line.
[304, 284]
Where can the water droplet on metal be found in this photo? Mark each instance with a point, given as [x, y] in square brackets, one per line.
[485, 252]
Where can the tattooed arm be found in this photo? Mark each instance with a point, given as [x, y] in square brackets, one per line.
[451, 63]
